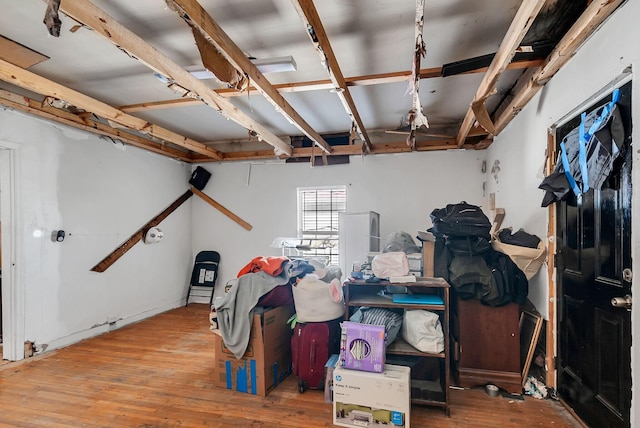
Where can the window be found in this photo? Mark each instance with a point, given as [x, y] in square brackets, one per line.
[318, 210]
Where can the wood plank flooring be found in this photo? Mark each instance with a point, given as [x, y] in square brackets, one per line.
[156, 373]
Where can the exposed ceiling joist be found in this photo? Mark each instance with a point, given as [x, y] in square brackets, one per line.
[27, 105]
[521, 23]
[319, 38]
[32, 82]
[352, 149]
[92, 17]
[198, 18]
[587, 23]
[373, 79]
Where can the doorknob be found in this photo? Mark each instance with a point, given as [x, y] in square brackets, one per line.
[622, 302]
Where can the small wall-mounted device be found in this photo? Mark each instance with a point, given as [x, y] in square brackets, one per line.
[153, 235]
[57, 235]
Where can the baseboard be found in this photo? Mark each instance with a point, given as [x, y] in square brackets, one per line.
[104, 328]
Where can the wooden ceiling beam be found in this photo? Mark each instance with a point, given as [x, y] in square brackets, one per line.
[199, 19]
[521, 23]
[94, 18]
[33, 82]
[35, 108]
[352, 150]
[319, 38]
[585, 25]
[314, 85]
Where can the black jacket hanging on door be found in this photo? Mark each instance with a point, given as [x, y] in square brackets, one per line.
[587, 153]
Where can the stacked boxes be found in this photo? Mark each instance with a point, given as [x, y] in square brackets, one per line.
[366, 391]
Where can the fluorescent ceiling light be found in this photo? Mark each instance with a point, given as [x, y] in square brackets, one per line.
[275, 65]
[266, 65]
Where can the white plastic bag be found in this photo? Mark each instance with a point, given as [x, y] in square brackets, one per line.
[422, 330]
[394, 263]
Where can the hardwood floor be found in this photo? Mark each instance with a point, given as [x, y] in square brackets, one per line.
[156, 374]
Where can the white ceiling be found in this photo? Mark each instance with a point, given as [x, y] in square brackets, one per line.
[368, 37]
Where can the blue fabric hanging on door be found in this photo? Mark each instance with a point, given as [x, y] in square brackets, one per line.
[587, 153]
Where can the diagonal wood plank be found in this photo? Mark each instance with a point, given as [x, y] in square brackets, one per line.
[224, 210]
[521, 23]
[584, 26]
[315, 29]
[33, 82]
[92, 17]
[137, 236]
[198, 18]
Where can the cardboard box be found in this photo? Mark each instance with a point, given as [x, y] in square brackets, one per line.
[267, 360]
[372, 399]
[362, 346]
[331, 364]
[428, 248]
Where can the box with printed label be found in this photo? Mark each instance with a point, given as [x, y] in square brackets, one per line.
[362, 346]
[267, 360]
[372, 399]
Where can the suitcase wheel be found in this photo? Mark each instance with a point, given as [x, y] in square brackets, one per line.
[300, 386]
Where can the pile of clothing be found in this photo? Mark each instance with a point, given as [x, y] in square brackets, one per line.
[274, 281]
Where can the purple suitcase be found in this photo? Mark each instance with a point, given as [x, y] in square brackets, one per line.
[311, 346]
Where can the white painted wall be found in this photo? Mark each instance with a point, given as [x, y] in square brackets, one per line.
[520, 148]
[99, 196]
[402, 188]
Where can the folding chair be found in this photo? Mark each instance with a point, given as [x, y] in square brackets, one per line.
[205, 272]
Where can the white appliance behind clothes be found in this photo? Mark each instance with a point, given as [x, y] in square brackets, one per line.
[359, 235]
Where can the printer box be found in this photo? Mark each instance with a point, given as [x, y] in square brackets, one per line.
[367, 398]
[362, 346]
[267, 360]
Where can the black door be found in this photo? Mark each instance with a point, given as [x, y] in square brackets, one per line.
[594, 267]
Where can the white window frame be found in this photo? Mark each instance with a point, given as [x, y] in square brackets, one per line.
[321, 242]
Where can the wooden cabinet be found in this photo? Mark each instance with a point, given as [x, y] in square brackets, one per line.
[488, 344]
[430, 372]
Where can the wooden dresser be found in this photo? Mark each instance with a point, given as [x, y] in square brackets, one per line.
[488, 345]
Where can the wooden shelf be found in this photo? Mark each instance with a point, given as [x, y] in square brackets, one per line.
[401, 347]
[425, 392]
[374, 300]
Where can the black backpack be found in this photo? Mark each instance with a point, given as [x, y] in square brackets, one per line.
[510, 282]
[467, 245]
[461, 219]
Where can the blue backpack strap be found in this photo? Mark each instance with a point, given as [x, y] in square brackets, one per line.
[604, 115]
[582, 154]
[567, 170]
[585, 137]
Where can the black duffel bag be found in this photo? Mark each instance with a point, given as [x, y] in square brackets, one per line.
[461, 219]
